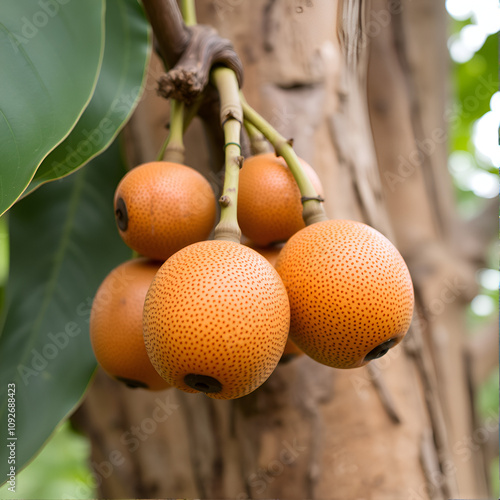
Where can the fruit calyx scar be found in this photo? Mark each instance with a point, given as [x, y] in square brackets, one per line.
[202, 383]
[380, 350]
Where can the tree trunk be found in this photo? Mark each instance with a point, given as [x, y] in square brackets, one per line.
[353, 84]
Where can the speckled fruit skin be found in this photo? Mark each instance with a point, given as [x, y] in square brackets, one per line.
[219, 309]
[169, 206]
[269, 200]
[116, 324]
[349, 291]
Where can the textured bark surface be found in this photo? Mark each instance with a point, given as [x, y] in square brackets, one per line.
[408, 112]
[393, 430]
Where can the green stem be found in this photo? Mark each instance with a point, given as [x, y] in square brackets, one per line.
[313, 210]
[231, 117]
[189, 113]
[173, 148]
[192, 110]
[258, 142]
[188, 10]
[161, 153]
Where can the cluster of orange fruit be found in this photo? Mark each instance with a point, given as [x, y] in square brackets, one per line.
[216, 316]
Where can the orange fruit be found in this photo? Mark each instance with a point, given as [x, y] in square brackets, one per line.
[269, 200]
[161, 207]
[350, 292]
[116, 325]
[216, 319]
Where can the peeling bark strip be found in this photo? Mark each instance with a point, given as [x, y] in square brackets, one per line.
[189, 52]
[168, 26]
[311, 431]
[189, 77]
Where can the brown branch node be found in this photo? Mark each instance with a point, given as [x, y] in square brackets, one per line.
[190, 75]
[224, 201]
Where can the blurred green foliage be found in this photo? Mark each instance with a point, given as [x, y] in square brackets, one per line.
[470, 103]
[487, 407]
[60, 470]
[495, 480]
[473, 84]
[488, 396]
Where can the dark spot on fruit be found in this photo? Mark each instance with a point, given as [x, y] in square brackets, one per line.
[121, 214]
[202, 383]
[380, 350]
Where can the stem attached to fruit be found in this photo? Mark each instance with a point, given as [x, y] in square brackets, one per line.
[173, 148]
[313, 210]
[188, 10]
[189, 113]
[231, 116]
[258, 142]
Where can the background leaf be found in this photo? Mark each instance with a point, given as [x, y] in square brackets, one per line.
[50, 55]
[126, 55]
[63, 243]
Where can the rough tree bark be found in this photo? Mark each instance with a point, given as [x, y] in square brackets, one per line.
[360, 86]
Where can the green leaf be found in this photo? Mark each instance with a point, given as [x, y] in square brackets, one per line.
[475, 81]
[126, 56]
[50, 55]
[63, 241]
